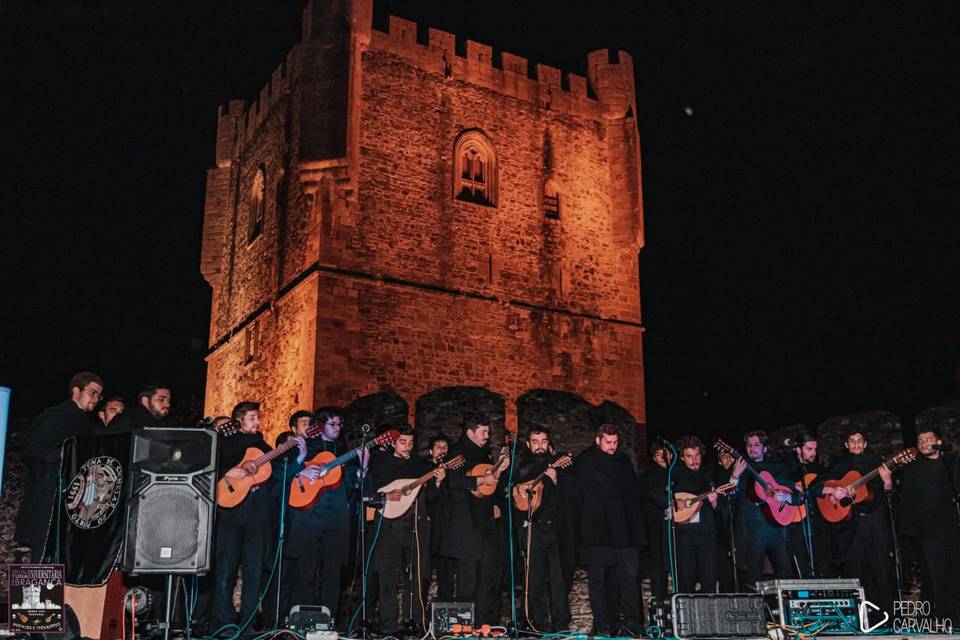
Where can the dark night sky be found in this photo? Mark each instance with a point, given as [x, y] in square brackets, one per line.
[800, 187]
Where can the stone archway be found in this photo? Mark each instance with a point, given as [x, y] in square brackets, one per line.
[572, 420]
[377, 410]
[442, 411]
[882, 430]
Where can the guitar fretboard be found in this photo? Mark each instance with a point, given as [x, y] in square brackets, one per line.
[348, 456]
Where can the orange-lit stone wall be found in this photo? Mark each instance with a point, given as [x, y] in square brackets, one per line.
[369, 276]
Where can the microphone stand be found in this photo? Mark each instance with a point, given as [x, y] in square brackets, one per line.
[897, 561]
[733, 540]
[805, 525]
[671, 524]
[953, 486]
[362, 525]
[280, 539]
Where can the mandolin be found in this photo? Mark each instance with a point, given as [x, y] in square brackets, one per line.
[484, 468]
[834, 510]
[305, 492]
[766, 489]
[528, 495]
[409, 488]
[233, 491]
[688, 504]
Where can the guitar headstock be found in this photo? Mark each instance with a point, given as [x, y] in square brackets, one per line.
[564, 461]
[313, 431]
[904, 457]
[228, 428]
[454, 463]
[723, 447]
[387, 438]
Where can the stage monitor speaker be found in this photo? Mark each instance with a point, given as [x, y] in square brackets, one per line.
[718, 615]
[171, 501]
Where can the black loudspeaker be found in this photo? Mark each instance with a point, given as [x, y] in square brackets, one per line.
[171, 501]
[718, 615]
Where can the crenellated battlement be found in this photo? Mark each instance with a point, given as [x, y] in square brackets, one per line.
[606, 93]
[549, 87]
[237, 120]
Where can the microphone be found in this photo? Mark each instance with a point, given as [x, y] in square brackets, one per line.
[788, 443]
[937, 447]
[365, 428]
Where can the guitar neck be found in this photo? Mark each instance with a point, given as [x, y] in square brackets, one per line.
[867, 477]
[348, 456]
[754, 473]
[270, 455]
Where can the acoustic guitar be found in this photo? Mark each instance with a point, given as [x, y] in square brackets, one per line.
[834, 510]
[485, 468]
[528, 495]
[687, 505]
[233, 491]
[765, 488]
[304, 492]
[409, 488]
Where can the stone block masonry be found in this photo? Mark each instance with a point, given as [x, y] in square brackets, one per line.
[371, 277]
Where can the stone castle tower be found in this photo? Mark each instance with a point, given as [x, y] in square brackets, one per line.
[409, 233]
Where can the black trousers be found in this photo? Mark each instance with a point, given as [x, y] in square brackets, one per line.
[653, 558]
[613, 586]
[241, 534]
[323, 556]
[478, 580]
[868, 544]
[696, 559]
[546, 606]
[758, 540]
[938, 558]
[402, 556]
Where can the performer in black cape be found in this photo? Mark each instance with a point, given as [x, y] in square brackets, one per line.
[653, 496]
[696, 539]
[611, 534]
[41, 458]
[864, 543]
[538, 535]
[927, 520]
[472, 538]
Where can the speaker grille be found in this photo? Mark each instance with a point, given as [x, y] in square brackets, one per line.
[171, 508]
[169, 520]
[719, 615]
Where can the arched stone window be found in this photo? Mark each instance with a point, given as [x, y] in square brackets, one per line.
[475, 169]
[257, 205]
[551, 200]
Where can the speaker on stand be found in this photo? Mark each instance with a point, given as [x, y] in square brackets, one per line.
[170, 505]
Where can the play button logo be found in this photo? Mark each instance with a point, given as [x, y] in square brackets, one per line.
[865, 608]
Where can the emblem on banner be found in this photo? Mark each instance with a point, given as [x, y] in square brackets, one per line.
[93, 494]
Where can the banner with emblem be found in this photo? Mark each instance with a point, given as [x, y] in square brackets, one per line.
[88, 526]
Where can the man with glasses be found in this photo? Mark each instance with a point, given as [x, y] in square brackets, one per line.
[41, 457]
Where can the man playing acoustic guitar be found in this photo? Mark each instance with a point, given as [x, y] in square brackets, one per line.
[758, 533]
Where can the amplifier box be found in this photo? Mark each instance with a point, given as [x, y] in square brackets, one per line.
[718, 615]
[444, 615]
[824, 607]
